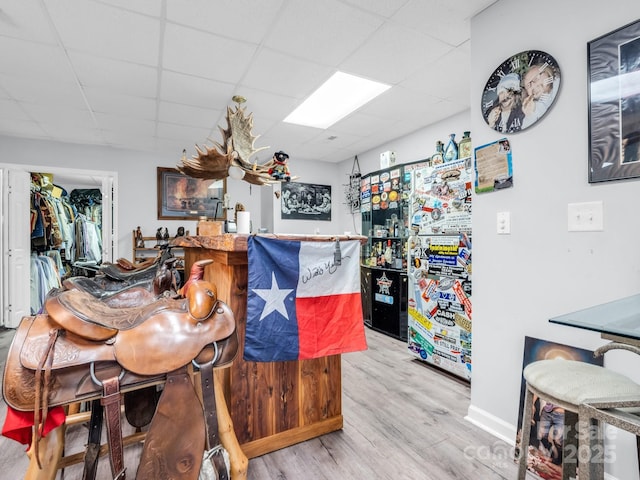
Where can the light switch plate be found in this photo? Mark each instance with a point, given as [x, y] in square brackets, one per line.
[585, 217]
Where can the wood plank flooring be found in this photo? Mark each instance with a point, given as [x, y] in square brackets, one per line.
[402, 420]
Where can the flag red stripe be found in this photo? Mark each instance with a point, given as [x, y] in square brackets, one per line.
[330, 325]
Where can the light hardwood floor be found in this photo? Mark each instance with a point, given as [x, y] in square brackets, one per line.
[402, 420]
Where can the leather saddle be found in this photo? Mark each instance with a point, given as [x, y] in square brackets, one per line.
[145, 341]
[135, 289]
[125, 271]
[83, 346]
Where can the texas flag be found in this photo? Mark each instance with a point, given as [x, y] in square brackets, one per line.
[303, 299]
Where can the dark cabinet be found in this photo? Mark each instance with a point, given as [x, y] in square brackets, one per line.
[384, 197]
[389, 302]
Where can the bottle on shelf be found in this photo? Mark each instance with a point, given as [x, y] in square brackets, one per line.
[464, 147]
[388, 254]
[438, 157]
[451, 150]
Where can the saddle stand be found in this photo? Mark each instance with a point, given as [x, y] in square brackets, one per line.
[85, 350]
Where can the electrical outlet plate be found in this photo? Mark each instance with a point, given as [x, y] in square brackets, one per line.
[503, 223]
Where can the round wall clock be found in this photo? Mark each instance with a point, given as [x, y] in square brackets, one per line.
[520, 91]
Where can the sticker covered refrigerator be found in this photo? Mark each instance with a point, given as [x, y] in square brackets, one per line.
[439, 266]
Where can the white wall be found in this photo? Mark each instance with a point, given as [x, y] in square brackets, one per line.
[541, 270]
[520, 280]
[137, 181]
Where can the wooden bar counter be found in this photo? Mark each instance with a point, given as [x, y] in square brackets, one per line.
[272, 404]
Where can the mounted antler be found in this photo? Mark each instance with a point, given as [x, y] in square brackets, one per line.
[236, 149]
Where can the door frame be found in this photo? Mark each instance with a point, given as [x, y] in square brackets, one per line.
[107, 181]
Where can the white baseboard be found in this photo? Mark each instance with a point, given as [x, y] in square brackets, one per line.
[492, 424]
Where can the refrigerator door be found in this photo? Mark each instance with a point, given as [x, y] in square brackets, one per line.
[439, 301]
[439, 267]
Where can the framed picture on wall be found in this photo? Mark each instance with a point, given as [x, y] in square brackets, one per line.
[181, 197]
[614, 104]
[305, 201]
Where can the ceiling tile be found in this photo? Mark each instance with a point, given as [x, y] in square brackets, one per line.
[38, 90]
[392, 43]
[27, 20]
[187, 115]
[73, 133]
[126, 124]
[283, 75]
[357, 123]
[61, 114]
[159, 75]
[199, 92]
[104, 101]
[147, 7]
[326, 31]
[12, 109]
[247, 20]
[118, 76]
[205, 55]
[266, 106]
[100, 29]
[385, 8]
[188, 135]
[32, 60]
[453, 85]
[21, 128]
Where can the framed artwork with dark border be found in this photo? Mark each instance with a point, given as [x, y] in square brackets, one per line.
[181, 197]
[305, 201]
[614, 104]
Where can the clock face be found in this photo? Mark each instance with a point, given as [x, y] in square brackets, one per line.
[520, 91]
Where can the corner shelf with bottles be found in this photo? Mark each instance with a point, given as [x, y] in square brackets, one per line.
[384, 207]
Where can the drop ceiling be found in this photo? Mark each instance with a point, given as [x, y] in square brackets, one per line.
[157, 76]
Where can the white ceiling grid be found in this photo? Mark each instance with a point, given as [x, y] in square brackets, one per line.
[157, 76]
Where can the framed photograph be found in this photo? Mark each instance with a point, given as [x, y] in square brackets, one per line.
[546, 439]
[614, 105]
[181, 197]
[305, 201]
[493, 166]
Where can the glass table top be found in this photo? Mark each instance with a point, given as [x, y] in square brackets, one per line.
[619, 317]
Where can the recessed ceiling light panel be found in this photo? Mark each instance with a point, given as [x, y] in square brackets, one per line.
[335, 99]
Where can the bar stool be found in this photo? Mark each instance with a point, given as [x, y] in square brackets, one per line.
[569, 384]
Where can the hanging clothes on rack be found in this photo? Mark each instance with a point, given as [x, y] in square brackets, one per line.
[88, 242]
[88, 201]
[45, 275]
[52, 216]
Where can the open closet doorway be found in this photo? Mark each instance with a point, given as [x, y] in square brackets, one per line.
[15, 241]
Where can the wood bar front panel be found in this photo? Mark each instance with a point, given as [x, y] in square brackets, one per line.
[272, 404]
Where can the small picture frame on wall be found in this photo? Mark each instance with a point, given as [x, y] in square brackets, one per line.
[614, 104]
[305, 201]
[181, 197]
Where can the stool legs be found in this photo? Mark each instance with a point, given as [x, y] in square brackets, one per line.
[525, 430]
[570, 440]
[591, 447]
[570, 446]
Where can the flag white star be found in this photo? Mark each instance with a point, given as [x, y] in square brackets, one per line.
[274, 298]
